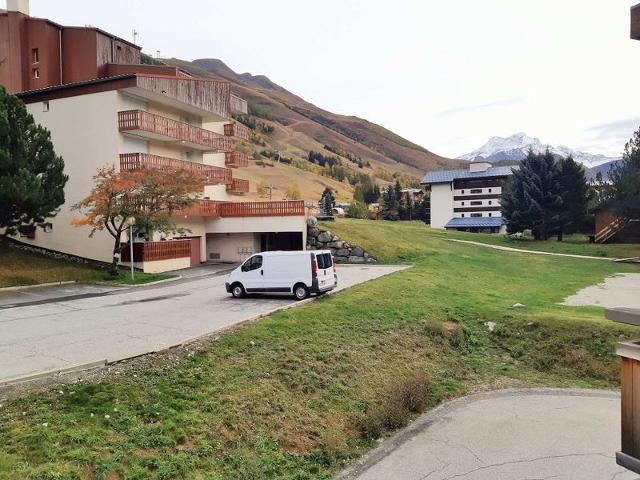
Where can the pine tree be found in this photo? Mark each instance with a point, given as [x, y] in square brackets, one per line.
[624, 194]
[533, 199]
[32, 176]
[327, 202]
[575, 196]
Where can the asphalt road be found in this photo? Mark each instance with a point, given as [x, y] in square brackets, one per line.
[58, 335]
[506, 435]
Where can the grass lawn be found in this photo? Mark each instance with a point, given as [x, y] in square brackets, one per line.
[19, 267]
[305, 391]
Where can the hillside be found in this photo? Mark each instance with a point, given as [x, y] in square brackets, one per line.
[300, 127]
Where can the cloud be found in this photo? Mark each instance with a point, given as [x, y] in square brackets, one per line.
[482, 106]
[616, 129]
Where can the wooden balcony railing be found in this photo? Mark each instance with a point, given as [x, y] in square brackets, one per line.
[238, 105]
[237, 130]
[213, 208]
[153, 251]
[238, 185]
[212, 175]
[172, 130]
[236, 159]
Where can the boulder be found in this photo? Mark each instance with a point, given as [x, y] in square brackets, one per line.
[342, 259]
[312, 221]
[338, 244]
[313, 232]
[371, 260]
[357, 252]
[325, 237]
[354, 259]
[343, 252]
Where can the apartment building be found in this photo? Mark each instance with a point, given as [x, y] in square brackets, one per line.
[468, 199]
[103, 107]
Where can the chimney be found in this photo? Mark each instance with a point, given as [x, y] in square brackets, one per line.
[21, 6]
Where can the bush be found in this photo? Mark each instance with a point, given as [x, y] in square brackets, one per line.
[357, 210]
[406, 396]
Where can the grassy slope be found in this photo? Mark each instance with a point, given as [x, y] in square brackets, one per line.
[289, 397]
[18, 268]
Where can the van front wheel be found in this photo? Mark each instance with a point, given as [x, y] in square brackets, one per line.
[237, 290]
[300, 291]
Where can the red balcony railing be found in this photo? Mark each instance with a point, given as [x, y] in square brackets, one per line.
[238, 185]
[236, 159]
[153, 251]
[237, 130]
[213, 208]
[172, 130]
[212, 175]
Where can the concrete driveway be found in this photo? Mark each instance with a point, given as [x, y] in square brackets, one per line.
[506, 435]
[82, 332]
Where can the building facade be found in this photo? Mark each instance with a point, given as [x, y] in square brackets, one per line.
[468, 199]
[108, 109]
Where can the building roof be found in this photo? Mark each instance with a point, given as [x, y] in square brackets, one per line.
[446, 176]
[482, 222]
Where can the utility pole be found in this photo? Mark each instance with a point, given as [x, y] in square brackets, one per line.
[271, 187]
[135, 36]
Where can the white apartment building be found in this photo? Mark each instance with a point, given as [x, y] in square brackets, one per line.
[468, 199]
[116, 111]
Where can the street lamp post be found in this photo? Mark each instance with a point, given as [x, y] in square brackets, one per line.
[131, 221]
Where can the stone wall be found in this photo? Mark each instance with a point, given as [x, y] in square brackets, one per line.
[321, 239]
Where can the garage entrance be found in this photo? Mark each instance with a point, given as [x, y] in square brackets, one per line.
[281, 241]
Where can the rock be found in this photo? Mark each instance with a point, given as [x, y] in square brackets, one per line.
[312, 221]
[343, 252]
[325, 237]
[337, 244]
[490, 325]
[355, 259]
[342, 259]
[357, 252]
[311, 241]
[518, 305]
[527, 232]
[371, 260]
[313, 232]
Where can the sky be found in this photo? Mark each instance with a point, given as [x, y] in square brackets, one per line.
[447, 75]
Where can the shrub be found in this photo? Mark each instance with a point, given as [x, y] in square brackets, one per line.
[406, 396]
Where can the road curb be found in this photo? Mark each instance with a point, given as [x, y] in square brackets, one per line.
[29, 287]
[390, 444]
[52, 373]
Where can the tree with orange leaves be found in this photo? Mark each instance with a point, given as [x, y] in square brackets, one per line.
[149, 195]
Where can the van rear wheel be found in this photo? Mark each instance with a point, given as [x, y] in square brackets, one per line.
[300, 291]
[237, 290]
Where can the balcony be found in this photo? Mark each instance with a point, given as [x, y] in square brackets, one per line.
[154, 251]
[212, 175]
[212, 208]
[236, 159]
[155, 127]
[237, 130]
[238, 105]
[635, 22]
[238, 185]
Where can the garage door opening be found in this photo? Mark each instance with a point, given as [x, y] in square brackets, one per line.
[281, 241]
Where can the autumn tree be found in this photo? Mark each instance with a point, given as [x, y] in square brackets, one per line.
[32, 176]
[148, 195]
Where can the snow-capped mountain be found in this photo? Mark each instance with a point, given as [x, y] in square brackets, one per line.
[516, 147]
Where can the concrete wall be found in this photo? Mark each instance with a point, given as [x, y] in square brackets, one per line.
[441, 204]
[232, 247]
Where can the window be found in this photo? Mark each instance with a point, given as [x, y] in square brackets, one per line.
[476, 202]
[462, 191]
[463, 204]
[489, 202]
[35, 55]
[489, 213]
[45, 106]
[475, 190]
[462, 215]
[253, 263]
[475, 215]
[36, 73]
[489, 190]
[324, 261]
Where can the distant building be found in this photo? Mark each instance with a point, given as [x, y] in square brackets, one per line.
[104, 108]
[416, 194]
[468, 199]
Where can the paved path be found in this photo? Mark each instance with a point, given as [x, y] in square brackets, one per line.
[506, 435]
[620, 291]
[60, 335]
[522, 250]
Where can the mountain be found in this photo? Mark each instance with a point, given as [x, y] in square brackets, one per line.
[516, 147]
[602, 169]
[299, 126]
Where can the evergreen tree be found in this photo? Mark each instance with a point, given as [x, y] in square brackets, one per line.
[423, 210]
[32, 176]
[575, 197]
[534, 198]
[327, 202]
[624, 194]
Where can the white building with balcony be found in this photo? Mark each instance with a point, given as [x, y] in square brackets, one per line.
[468, 199]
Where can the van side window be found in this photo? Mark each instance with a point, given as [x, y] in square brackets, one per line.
[252, 264]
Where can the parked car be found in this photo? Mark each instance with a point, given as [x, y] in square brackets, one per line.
[298, 272]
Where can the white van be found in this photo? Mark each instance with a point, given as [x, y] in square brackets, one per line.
[297, 272]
